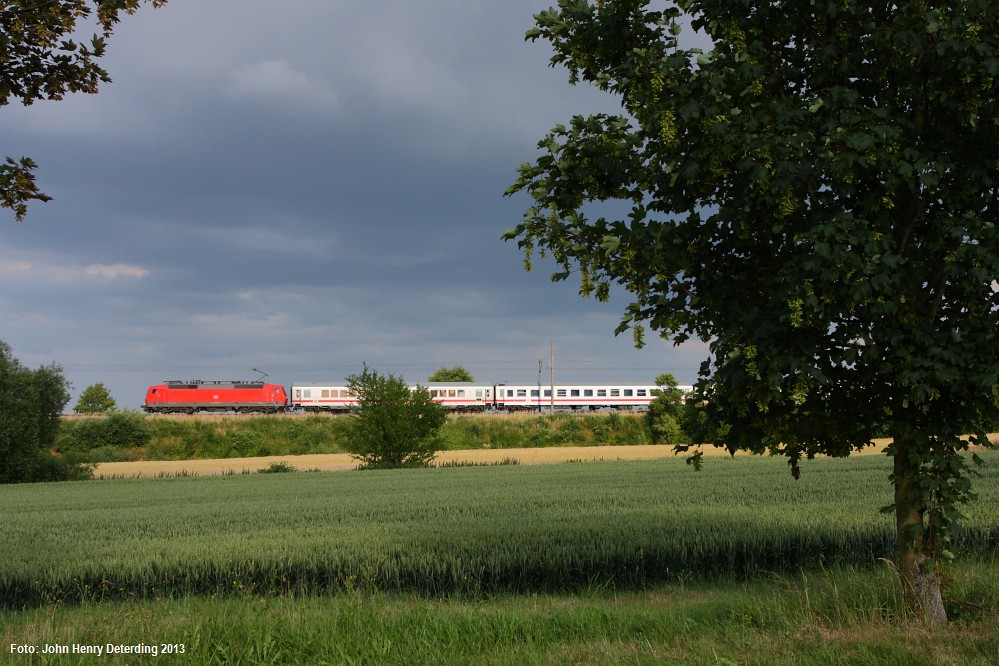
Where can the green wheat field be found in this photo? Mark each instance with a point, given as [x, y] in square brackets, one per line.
[595, 562]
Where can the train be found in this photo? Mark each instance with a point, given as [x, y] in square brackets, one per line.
[258, 397]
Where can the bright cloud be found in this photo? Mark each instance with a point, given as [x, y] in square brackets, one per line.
[278, 82]
[116, 270]
[14, 266]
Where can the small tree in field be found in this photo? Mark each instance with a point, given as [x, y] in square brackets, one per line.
[664, 414]
[393, 426]
[456, 374]
[95, 399]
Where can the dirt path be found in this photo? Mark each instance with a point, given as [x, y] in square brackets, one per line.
[341, 461]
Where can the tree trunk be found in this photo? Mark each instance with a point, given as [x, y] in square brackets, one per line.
[919, 582]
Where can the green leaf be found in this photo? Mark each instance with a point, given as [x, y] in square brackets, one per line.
[610, 243]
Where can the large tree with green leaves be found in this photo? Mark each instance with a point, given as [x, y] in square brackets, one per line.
[31, 402]
[814, 194]
[39, 60]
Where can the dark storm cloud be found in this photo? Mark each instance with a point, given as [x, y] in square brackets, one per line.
[300, 187]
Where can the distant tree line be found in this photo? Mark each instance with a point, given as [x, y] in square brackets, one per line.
[31, 402]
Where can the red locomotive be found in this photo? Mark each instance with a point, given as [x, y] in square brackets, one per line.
[175, 397]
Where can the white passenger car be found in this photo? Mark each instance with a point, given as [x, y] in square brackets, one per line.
[575, 396]
[321, 398]
[456, 396]
[462, 396]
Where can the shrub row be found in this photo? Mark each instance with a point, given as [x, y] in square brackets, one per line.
[132, 436]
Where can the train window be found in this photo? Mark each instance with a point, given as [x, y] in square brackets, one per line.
[628, 393]
[574, 393]
[326, 393]
[601, 393]
[521, 393]
[548, 393]
[534, 393]
[560, 393]
[587, 393]
[615, 393]
[509, 393]
[450, 393]
[308, 393]
[478, 394]
[461, 393]
[641, 393]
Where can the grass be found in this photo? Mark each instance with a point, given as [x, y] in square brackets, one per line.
[510, 564]
[468, 531]
[830, 618]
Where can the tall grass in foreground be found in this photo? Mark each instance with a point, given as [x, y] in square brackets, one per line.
[831, 617]
[462, 531]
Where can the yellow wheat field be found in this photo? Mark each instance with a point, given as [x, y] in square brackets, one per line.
[335, 462]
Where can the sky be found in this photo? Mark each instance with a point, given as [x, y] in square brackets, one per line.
[300, 188]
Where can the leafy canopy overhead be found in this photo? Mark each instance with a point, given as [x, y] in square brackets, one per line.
[39, 60]
[814, 196]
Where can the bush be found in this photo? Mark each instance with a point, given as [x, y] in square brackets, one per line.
[118, 430]
[663, 416]
[392, 425]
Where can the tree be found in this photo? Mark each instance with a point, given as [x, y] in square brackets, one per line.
[40, 61]
[31, 402]
[392, 426]
[663, 415]
[456, 374]
[95, 399]
[815, 196]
